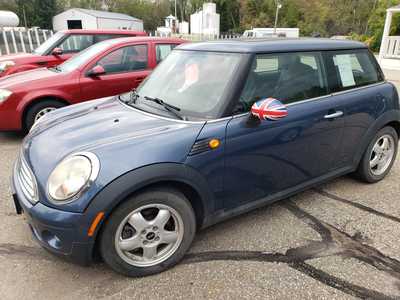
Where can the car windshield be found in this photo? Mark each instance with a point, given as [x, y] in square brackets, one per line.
[193, 81]
[44, 48]
[83, 57]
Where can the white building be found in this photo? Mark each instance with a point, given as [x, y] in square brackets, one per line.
[79, 18]
[389, 54]
[272, 32]
[205, 21]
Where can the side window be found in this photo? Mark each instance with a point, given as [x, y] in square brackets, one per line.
[126, 59]
[162, 51]
[352, 69]
[76, 43]
[288, 77]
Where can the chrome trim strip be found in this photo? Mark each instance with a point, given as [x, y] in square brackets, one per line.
[246, 113]
[26, 180]
[325, 96]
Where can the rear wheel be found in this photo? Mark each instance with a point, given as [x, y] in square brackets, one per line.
[379, 157]
[148, 233]
[38, 110]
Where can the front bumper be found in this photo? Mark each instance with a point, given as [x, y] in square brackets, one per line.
[62, 233]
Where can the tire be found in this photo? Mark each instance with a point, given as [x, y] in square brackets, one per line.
[117, 231]
[36, 109]
[370, 174]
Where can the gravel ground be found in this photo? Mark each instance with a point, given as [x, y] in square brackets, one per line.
[338, 241]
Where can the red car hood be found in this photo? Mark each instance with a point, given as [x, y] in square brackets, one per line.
[27, 77]
[20, 57]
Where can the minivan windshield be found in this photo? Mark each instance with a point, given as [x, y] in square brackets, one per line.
[83, 57]
[44, 48]
[193, 81]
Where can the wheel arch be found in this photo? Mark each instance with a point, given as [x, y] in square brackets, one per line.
[37, 100]
[390, 118]
[172, 175]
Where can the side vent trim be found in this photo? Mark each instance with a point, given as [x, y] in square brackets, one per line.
[200, 147]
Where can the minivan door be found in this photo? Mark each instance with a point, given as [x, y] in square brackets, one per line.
[269, 157]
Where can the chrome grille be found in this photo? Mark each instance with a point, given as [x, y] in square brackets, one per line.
[27, 181]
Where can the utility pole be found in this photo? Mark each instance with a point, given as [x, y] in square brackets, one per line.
[278, 7]
[175, 10]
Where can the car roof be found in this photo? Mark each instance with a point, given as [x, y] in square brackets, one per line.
[140, 39]
[105, 31]
[273, 45]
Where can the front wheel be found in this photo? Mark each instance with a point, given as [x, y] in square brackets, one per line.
[379, 157]
[38, 110]
[148, 233]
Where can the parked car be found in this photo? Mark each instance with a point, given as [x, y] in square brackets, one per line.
[58, 48]
[216, 130]
[107, 68]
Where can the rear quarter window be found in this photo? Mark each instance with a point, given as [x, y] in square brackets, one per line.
[351, 69]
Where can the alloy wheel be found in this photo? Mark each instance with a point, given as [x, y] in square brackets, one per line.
[149, 235]
[382, 155]
[42, 112]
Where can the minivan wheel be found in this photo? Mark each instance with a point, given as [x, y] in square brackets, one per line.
[379, 157]
[148, 233]
[38, 110]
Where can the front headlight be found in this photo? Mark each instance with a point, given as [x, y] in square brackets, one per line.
[4, 94]
[72, 176]
[4, 65]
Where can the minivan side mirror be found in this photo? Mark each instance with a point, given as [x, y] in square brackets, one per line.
[57, 51]
[269, 109]
[96, 71]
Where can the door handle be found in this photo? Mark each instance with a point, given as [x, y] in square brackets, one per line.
[334, 115]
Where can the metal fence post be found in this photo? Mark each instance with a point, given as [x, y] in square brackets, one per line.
[6, 42]
[13, 40]
[30, 39]
[21, 38]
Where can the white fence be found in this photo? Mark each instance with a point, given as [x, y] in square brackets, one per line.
[392, 47]
[16, 40]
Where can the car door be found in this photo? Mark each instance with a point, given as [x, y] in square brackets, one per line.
[125, 68]
[267, 158]
[72, 44]
[354, 75]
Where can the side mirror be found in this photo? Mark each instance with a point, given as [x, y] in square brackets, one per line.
[57, 51]
[269, 109]
[96, 71]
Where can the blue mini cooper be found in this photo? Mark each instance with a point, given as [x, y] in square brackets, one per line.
[218, 129]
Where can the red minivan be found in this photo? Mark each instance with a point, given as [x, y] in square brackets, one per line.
[105, 69]
[58, 48]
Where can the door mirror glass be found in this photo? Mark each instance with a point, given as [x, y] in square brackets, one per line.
[97, 71]
[57, 51]
[269, 109]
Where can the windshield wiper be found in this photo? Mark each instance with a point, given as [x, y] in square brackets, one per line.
[171, 108]
[133, 96]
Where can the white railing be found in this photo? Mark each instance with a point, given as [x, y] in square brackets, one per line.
[392, 47]
[18, 40]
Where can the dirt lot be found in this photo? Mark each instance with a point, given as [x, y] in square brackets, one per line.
[339, 241]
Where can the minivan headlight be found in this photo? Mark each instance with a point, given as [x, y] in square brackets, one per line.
[4, 65]
[73, 175]
[4, 94]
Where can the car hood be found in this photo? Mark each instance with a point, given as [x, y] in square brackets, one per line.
[22, 79]
[20, 57]
[123, 138]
